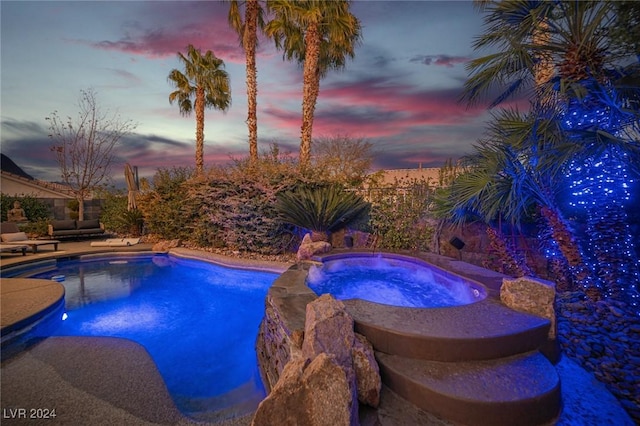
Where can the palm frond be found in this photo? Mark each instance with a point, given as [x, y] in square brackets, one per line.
[324, 208]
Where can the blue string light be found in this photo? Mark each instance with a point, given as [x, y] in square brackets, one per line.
[600, 188]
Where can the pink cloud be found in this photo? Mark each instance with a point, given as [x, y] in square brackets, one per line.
[374, 108]
[202, 24]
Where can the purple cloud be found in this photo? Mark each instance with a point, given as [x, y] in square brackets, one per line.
[440, 60]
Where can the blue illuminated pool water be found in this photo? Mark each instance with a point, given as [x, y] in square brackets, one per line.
[197, 320]
[392, 280]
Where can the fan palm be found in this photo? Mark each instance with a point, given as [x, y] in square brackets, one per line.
[248, 32]
[570, 36]
[514, 172]
[320, 35]
[204, 83]
[563, 54]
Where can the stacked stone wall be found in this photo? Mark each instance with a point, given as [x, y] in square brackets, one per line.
[282, 327]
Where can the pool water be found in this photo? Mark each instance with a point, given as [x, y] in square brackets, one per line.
[392, 281]
[198, 321]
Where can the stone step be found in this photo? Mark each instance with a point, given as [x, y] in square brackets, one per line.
[480, 331]
[518, 390]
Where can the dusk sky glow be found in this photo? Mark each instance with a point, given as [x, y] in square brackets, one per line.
[400, 92]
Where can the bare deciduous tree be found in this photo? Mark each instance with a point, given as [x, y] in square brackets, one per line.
[342, 159]
[83, 147]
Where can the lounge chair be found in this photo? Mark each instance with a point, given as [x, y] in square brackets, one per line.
[12, 248]
[11, 235]
[116, 242]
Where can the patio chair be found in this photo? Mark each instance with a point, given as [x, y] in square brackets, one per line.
[11, 235]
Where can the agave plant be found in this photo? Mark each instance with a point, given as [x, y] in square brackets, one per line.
[322, 209]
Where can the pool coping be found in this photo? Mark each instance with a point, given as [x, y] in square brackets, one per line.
[25, 301]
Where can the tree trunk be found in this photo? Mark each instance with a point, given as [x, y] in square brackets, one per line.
[544, 68]
[310, 90]
[80, 207]
[568, 246]
[512, 263]
[249, 41]
[199, 108]
[614, 255]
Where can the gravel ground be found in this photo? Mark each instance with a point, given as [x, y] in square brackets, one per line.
[603, 338]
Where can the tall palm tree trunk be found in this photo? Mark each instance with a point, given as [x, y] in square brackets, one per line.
[511, 261]
[310, 91]
[249, 41]
[199, 109]
[568, 246]
[544, 68]
[610, 247]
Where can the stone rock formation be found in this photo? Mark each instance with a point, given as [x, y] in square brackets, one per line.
[309, 390]
[367, 372]
[313, 394]
[531, 295]
[328, 328]
[165, 246]
[308, 248]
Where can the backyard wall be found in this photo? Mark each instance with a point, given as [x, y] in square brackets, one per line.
[60, 211]
[477, 248]
[282, 328]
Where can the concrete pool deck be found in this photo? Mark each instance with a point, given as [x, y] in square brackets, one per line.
[114, 381]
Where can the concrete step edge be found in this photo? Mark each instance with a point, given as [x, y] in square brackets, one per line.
[522, 389]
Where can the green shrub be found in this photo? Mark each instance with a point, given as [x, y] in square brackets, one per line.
[74, 206]
[166, 209]
[321, 209]
[116, 216]
[400, 216]
[227, 207]
[236, 205]
[38, 228]
[34, 209]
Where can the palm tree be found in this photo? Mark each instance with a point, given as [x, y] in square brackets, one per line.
[248, 32]
[512, 173]
[586, 80]
[207, 83]
[319, 34]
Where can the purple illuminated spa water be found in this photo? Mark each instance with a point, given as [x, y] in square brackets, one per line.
[197, 320]
[392, 281]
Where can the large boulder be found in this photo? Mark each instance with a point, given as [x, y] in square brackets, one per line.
[165, 246]
[309, 248]
[333, 369]
[328, 328]
[531, 295]
[314, 394]
[367, 372]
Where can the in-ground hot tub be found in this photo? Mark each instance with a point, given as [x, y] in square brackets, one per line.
[392, 279]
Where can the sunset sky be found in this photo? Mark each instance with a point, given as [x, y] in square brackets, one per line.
[400, 92]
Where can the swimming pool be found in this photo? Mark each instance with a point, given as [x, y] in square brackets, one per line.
[198, 321]
[392, 280]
